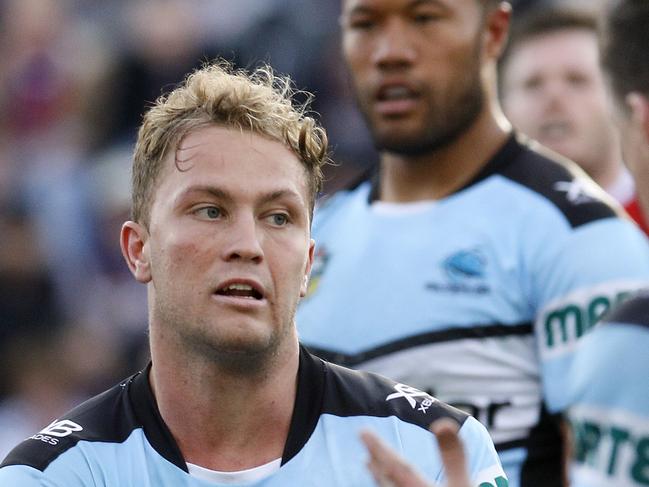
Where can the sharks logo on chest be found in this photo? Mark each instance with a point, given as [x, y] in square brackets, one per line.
[465, 272]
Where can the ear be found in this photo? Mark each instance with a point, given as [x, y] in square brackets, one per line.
[639, 106]
[133, 240]
[307, 272]
[496, 30]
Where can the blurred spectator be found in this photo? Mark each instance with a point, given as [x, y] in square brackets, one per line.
[162, 42]
[50, 70]
[116, 304]
[553, 90]
[52, 368]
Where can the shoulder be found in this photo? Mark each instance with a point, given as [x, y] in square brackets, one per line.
[342, 198]
[409, 413]
[104, 418]
[559, 181]
[357, 393]
[23, 476]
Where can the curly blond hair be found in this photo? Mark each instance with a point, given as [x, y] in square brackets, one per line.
[217, 94]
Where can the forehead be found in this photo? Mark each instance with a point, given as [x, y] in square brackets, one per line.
[575, 46]
[244, 160]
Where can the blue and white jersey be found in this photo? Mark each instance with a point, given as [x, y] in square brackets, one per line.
[118, 439]
[478, 298]
[609, 390]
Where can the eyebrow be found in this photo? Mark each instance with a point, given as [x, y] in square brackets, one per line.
[226, 196]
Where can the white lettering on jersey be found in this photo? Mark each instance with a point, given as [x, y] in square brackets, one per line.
[575, 191]
[61, 428]
[409, 393]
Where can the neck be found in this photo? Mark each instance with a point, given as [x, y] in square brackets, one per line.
[224, 420]
[439, 173]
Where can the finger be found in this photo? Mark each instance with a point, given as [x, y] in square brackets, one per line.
[379, 457]
[452, 451]
[379, 476]
[388, 468]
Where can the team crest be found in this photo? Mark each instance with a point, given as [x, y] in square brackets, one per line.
[466, 272]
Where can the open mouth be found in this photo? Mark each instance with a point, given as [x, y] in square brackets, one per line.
[395, 93]
[240, 290]
[396, 100]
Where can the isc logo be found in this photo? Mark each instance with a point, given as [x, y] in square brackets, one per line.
[58, 429]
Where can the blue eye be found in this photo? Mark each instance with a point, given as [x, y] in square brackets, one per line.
[279, 219]
[209, 212]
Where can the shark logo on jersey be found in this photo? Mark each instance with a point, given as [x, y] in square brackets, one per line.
[465, 264]
[409, 394]
[575, 191]
[320, 259]
[466, 270]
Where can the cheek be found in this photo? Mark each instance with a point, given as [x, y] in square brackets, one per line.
[178, 257]
[290, 270]
[522, 110]
[357, 59]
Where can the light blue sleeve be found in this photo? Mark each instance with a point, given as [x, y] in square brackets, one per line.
[20, 475]
[609, 416]
[581, 274]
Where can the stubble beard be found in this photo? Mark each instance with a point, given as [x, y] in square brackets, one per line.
[450, 114]
[241, 356]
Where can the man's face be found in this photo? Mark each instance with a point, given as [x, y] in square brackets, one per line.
[554, 91]
[229, 245]
[415, 67]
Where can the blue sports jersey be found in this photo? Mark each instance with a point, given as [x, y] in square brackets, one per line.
[609, 390]
[118, 439]
[478, 298]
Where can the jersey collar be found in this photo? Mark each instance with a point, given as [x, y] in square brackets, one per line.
[306, 412]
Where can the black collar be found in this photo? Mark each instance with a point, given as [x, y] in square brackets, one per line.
[306, 413]
[501, 159]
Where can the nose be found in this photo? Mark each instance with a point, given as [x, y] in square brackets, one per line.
[554, 93]
[243, 241]
[393, 48]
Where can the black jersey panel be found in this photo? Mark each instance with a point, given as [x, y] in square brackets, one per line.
[555, 181]
[355, 393]
[325, 388]
[148, 416]
[308, 404]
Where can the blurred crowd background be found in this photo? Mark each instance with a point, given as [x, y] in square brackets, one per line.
[75, 77]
